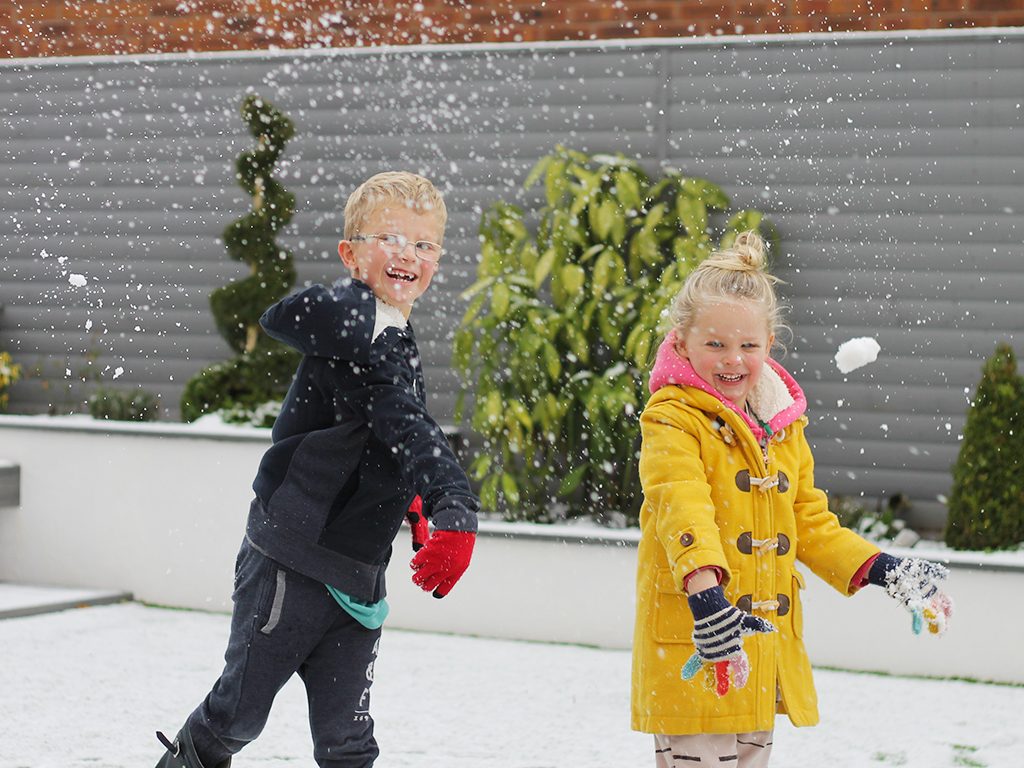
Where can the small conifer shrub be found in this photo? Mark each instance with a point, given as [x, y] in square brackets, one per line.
[241, 388]
[986, 504]
[123, 405]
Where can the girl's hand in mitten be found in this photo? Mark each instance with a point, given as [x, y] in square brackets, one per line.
[718, 631]
[915, 583]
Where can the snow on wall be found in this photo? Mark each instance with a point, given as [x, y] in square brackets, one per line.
[160, 512]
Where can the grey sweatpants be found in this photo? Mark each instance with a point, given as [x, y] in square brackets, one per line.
[285, 623]
[730, 750]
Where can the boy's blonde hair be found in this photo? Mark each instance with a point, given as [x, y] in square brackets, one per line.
[389, 188]
[738, 272]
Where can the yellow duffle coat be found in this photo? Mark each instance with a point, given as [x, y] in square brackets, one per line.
[705, 504]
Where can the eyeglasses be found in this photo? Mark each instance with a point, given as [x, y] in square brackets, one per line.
[425, 250]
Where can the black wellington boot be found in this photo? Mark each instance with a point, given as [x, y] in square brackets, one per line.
[181, 753]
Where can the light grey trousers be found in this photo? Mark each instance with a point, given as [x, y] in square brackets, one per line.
[730, 750]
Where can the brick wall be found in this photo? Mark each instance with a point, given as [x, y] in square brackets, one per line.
[30, 28]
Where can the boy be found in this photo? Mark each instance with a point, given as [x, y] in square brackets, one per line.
[351, 449]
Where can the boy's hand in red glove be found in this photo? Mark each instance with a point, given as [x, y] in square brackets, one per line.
[418, 523]
[442, 561]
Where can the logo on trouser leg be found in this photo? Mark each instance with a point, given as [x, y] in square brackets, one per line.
[362, 714]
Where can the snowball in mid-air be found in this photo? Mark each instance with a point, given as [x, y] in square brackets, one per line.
[77, 280]
[857, 352]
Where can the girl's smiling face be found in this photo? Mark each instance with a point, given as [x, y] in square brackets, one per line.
[727, 345]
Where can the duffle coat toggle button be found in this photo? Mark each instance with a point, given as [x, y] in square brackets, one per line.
[728, 436]
[764, 484]
[780, 605]
[747, 544]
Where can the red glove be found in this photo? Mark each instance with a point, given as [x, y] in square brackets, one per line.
[442, 561]
[418, 523]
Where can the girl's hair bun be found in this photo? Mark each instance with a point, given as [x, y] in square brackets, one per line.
[750, 248]
[739, 271]
[748, 253]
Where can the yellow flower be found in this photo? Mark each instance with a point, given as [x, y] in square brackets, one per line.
[10, 372]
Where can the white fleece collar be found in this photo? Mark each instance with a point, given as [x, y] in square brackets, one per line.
[386, 316]
[770, 396]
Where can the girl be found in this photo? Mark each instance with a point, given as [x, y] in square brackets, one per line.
[729, 507]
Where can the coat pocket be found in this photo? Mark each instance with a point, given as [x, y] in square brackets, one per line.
[672, 619]
[797, 604]
[673, 622]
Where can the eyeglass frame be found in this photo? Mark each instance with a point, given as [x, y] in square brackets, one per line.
[403, 242]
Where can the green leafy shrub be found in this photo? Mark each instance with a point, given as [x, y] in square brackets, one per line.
[562, 325]
[123, 405]
[10, 372]
[986, 504]
[262, 369]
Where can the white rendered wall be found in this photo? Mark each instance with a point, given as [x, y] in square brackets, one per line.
[160, 510]
[144, 510]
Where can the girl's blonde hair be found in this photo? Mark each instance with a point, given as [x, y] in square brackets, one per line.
[738, 272]
[392, 188]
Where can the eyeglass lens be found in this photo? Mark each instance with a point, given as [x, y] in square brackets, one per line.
[397, 243]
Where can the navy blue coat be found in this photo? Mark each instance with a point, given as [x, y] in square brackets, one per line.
[353, 444]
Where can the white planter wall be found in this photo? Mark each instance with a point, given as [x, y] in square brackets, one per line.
[159, 510]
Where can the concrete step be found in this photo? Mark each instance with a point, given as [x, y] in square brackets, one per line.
[29, 600]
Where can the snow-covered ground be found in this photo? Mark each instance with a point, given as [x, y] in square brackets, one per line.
[87, 687]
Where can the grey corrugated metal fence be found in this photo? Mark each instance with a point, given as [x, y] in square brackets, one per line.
[891, 164]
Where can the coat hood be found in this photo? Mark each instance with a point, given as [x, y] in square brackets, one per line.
[776, 397]
[342, 322]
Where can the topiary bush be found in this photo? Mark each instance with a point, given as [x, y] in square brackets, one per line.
[557, 340]
[242, 387]
[986, 504]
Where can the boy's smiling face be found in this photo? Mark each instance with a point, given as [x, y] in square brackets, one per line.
[397, 279]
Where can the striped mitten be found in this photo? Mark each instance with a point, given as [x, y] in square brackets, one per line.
[718, 631]
[915, 584]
